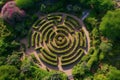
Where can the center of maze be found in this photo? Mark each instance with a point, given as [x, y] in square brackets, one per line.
[59, 38]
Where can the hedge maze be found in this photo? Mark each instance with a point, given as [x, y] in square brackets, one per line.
[58, 36]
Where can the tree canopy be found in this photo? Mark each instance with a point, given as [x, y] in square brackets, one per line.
[110, 25]
[24, 3]
[98, 5]
[8, 72]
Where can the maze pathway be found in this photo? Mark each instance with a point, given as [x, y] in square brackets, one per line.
[59, 40]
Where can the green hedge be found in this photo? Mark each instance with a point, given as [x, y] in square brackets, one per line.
[33, 38]
[66, 28]
[73, 21]
[37, 40]
[46, 30]
[29, 38]
[73, 56]
[45, 24]
[47, 61]
[55, 18]
[67, 23]
[62, 31]
[60, 45]
[81, 39]
[47, 34]
[51, 35]
[61, 51]
[49, 53]
[48, 56]
[38, 23]
[74, 60]
[93, 58]
[72, 51]
[85, 42]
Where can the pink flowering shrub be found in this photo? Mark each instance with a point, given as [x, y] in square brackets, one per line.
[11, 13]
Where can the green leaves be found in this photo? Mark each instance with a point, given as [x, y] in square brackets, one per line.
[25, 3]
[107, 72]
[4, 32]
[110, 25]
[99, 6]
[106, 47]
[8, 72]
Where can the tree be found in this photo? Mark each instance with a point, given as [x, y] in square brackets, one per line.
[84, 3]
[92, 21]
[110, 25]
[113, 74]
[100, 77]
[11, 13]
[24, 4]
[38, 73]
[2, 60]
[99, 6]
[107, 72]
[8, 72]
[58, 76]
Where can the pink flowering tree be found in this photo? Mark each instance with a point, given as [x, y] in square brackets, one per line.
[11, 13]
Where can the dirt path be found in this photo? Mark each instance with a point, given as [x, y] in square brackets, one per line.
[59, 64]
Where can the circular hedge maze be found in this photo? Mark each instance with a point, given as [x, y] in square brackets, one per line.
[57, 37]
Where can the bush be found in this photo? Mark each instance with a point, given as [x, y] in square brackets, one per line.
[107, 72]
[14, 59]
[106, 47]
[95, 33]
[8, 72]
[93, 59]
[101, 56]
[96, 42]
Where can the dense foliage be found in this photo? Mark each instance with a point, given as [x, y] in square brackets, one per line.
[99, 6]
[102, 61]
[8, 72]
[110, 25]
[25, 3]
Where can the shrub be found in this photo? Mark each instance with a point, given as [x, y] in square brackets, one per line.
[29, 38]
[93, 59]
[101, 56]
[95, 33]
[106, 47]
[8, 72]
[14, 59]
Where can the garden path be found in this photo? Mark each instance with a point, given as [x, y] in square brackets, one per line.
[68, 70]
